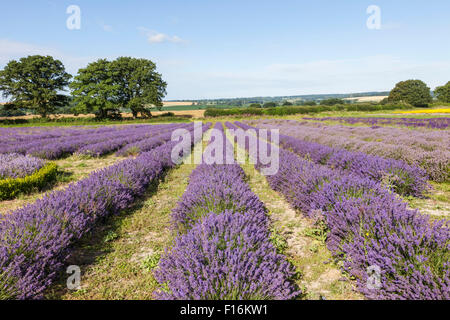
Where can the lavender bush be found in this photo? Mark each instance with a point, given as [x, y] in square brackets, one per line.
[435, 160]
[432, 123]
[35, 241]
[144, 145]
[223, 227]
[405, 180]
[18, 166]
[226, 256]
[369, 226]
[94, 142]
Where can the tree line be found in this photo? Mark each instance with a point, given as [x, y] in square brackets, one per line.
[103, 87]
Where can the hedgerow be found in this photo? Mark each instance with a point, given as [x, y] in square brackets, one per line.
[286, 110]
[10, 187]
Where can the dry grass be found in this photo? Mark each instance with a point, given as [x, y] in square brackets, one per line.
[194, 113]
[436, 203]
[177, 103]
[367, 99]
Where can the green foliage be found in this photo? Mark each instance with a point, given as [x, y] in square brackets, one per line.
[269, 105]
[139, 85]
[278, 240]
[105, 86]
[151, 262]
[255, 105]
[8, 110]
[287, 103]
[291, 110]
[93, 89]
[318, 231]
[35, 83]
[331, 102]
[212, 112]
[413, 92]
[10, 188]
[309, 103]
[110, 236]
[70, 121]
[443, 93]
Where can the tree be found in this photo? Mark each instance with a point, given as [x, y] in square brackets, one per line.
[255, 105]
[443, 93]
[287, 103]
[309, 103]
[413, 92]
[103, 87]
[94, 90]
[331, 102]
[139, 86]
[269, 105]
[35, 83]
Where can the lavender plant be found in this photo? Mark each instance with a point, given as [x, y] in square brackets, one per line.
[373, 141]
[36, 240]
[18, 166]
[369, 226]
[223, 227]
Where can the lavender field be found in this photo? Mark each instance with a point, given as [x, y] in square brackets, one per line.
[317, 210]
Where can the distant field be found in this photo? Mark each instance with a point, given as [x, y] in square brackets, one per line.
[367, 99]
[196, 107]
[176, 103]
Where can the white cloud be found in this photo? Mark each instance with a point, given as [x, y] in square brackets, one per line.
[10, 50]
[158, 37]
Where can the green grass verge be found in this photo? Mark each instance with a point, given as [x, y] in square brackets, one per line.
[91, 121]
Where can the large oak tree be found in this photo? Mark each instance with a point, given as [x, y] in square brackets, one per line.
[104, 86]
[413, 92]
[35, 83]
[140, 87]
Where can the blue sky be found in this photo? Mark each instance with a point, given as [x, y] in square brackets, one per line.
[213, 49]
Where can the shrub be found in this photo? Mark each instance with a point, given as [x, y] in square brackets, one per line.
[331, 102]
[233, 112]
[269, 105]
[10, 188]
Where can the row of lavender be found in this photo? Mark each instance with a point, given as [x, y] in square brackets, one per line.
[92, 142]
[21, 134]
[18, 166]
[36, 241]
[420, 139]
[435, 162]
[223, 249]
[16, 136]
[369, 228]
[404, 179]
[143, 145]
[432, 123]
